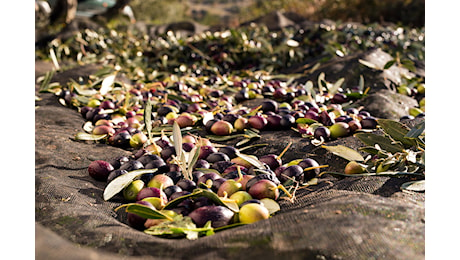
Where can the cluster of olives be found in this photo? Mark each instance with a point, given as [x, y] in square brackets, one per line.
[219, 170]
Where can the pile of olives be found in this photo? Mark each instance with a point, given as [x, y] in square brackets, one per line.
[218, 169]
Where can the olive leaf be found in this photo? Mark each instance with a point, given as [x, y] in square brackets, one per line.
[181, 226]
[344, 152]
[385, 174]
[82, 136]
[107, 84]
[177, 135]
[148, 118]
[144, 211]
[397, 131]
[335, 87]
[414, 185]
[416, 131]
[232, 205]
[389, 64]
[384, 142]
[44, 86]
[369, 64]
[255, 162]
[119, 183]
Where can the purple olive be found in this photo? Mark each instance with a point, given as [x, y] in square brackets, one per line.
[100, 170]
[151, 192]
[271, 160]
[322, 131]
[258, 122]
[264, 189]
[269, 105]
[218, 215]
[136, 221]
[310, 174]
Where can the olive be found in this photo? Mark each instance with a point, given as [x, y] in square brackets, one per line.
[228, 187]
[287, 121]
[205, 151]
[171, 189]
[107, 104]
[174, 175]
[218, 215]
[186, 184]
[274, 122]
[222, 127]
[229, 150]
[121, 139]
[185, 119]
[130, 192]
[258, 122]
[155, 164]
[201, 163]
[210, 123]
[309, 174]
[263, 176]
[115, 173]
[136, 221]
[167, 152]
[118, 161]
[164, 110]
[160, 181]
[240, 197]
[339, 129]
[326, 119]
[368, 123]
[196, 175]
[293, 171]
[264, 189]
[256, 201]
[269, 105]
[271, 160]
[339, 98]
[217, 157]
[231, 118]
[253, 212]
[208, 176]
[178, 194]
[147, 158]
[132, 165]
[151, 192]
[188, 146]
[100, 170]
[354, 125]
[322, 131]
[241, 123]
[137, 140]
[354, 168]
[216, 184]
[221, 166]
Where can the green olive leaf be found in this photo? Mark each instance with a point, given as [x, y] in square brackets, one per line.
[144, 211]
[82, 136]
[384, 142]
[414, 186]
[344, 152]
[119, 183]
[397, 131]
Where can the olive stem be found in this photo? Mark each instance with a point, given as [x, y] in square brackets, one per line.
[284, 151]
[240, 175]
[315, 167]
[281, 187]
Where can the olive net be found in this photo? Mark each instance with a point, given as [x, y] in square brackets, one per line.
[339, 218]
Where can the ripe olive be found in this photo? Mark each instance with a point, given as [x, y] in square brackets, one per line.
[100, 170]
[218, 215]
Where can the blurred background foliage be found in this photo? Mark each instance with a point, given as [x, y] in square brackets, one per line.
[232, 12]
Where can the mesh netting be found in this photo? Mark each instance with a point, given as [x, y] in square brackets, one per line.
[340, 218]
